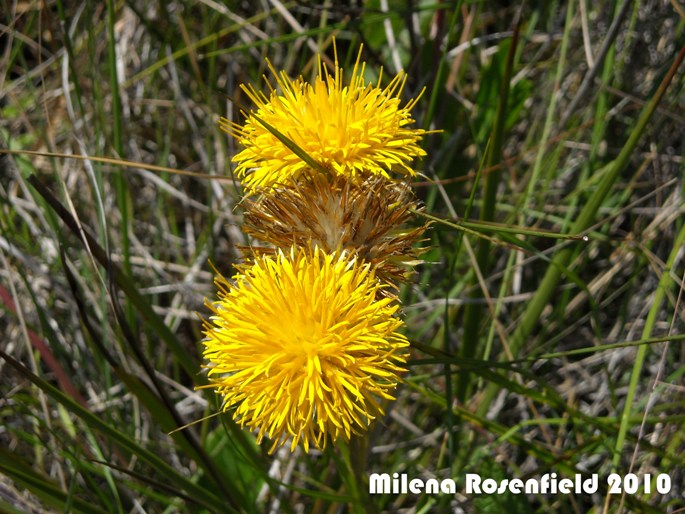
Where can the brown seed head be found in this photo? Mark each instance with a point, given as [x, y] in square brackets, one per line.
[368, 218]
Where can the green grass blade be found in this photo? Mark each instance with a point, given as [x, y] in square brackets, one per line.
[44, 488]
[473, 311]
[665, 282]
[292, 146]
[188, 363]
[585, 219]
[200, 495]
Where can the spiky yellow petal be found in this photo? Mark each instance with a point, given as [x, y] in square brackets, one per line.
[300, 347]
[351, 129]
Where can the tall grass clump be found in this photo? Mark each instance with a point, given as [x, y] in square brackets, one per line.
[254, 256]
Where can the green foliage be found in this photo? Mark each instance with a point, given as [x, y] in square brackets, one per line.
[546, 322]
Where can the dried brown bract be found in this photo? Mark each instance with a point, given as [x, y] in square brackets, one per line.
[369, 219]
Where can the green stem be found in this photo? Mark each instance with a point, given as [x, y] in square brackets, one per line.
[442, 67]
[665, 282]
[123, 203]
[350, 461]
[473, 311]
[561, 259]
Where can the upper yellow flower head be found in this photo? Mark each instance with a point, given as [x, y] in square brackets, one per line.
[353, 130]
[302, 347]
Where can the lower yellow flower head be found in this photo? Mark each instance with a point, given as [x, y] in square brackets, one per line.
[303, 348]
[353, 129]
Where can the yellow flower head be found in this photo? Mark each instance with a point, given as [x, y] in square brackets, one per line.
[302, 348]
[354, 129]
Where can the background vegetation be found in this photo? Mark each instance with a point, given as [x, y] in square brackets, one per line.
[532, 353]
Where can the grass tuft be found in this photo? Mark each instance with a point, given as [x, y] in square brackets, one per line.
[546, 322]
